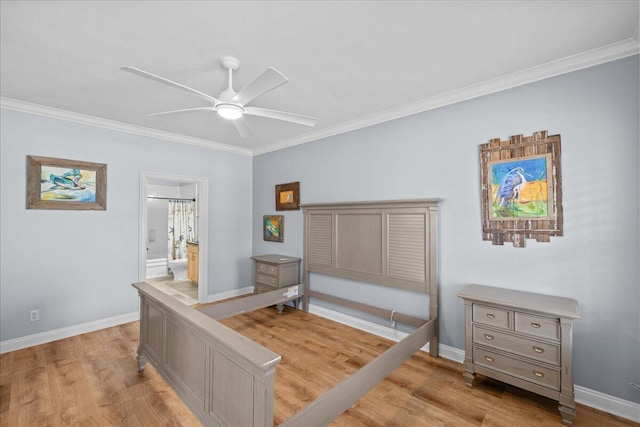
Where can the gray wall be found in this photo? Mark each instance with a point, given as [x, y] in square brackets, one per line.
[78, 266]
[435, 154]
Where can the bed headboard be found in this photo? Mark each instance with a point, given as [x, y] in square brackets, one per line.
[390, 243]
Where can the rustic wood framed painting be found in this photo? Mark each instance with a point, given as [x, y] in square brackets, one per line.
[273, 228]
[288, 196]
[65, 184]
[521, 189]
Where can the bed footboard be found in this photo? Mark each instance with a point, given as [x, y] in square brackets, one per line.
[225, 378]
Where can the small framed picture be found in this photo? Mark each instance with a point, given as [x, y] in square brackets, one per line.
[288, 196]
[66, 184]
[273, 228]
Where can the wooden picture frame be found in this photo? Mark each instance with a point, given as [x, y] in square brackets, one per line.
[65, 184]
[273, 228]
[288, 196]
[521, 189]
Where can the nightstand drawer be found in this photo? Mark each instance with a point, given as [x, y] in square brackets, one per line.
[269, 269]
[544, 352]
[545, 327]
[532, 372]
[266, 280]
[491, 316]
[259, 288]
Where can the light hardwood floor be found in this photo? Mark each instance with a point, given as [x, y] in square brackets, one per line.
[92, 380]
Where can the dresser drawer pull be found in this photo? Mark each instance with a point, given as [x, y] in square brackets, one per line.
[491, 315]
[488, 337]
[535, 325]
[488, 358]
[538, 349]
[538, 374]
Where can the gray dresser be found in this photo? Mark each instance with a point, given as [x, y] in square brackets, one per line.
[523, 339]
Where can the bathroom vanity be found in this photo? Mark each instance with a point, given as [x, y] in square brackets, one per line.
[193, 262]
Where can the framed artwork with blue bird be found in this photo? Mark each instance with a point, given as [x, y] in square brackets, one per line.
[521, 189]
[66, 184]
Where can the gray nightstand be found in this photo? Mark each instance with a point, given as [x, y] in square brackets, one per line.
[271, 272]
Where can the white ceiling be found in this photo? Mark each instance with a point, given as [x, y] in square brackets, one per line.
[350, 63]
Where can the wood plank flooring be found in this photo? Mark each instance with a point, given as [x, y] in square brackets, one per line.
[92, 380]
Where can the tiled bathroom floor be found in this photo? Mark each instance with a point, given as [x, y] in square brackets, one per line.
[185, 292]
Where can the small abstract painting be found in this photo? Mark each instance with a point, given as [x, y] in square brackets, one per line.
[65, 184]
[273, 228]
[520, 188]
[288, 196]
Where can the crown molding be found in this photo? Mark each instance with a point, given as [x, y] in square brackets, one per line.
[566, 65]
[56, 113]
[612, 52]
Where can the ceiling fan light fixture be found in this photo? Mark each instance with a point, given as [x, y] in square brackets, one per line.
[229, 111]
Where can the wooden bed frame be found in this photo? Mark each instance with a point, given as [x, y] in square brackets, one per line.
[227, 379]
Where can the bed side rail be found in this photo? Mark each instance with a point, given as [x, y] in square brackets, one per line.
[365, 308]
[326, 408]
[250, 303]
[225, 378]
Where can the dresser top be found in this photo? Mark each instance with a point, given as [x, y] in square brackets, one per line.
[275, 259]
[545, 304]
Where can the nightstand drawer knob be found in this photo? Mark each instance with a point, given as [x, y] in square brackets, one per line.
[538, 374]
[488, 337]
[535, 325]
[488, 358]
[491, 315]
[538, 349]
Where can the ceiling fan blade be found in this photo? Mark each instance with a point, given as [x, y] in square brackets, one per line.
[162, 80]
[281, 115]
[185, 110]
[268, 80]
[242, 127]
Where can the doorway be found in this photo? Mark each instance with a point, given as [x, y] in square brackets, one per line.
[147, 181]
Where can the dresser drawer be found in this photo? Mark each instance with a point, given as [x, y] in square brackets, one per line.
[532, 372]
[266, 280]
[545, 327]
[544, 352]
[259, 288]
[269, 269]
[491, 316]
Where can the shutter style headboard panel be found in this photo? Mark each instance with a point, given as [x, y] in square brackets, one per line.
[389, 243]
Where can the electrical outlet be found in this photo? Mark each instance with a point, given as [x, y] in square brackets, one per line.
[34, 315]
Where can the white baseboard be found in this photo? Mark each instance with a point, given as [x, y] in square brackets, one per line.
[70, 331]
[230, 294]
[604, 402]
[595, 399]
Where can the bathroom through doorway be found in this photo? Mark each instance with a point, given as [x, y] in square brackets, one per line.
[156, 251]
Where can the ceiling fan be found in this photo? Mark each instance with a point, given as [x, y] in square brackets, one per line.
[230, 104]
